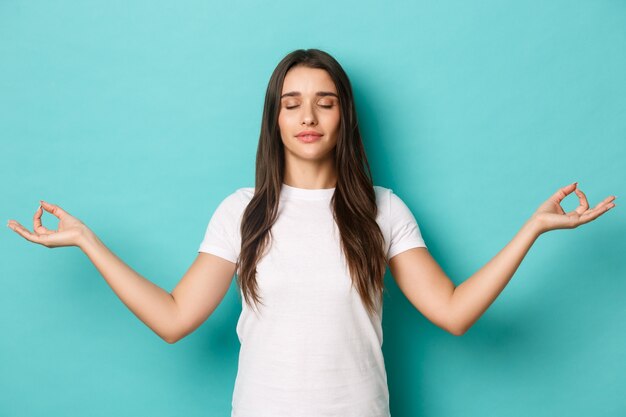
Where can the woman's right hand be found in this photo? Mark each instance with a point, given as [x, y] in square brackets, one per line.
[70, 231]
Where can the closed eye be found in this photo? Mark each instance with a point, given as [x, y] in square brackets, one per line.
[325, 106]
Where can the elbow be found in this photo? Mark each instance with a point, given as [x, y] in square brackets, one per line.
[172, 337]
[457, 329]
[174, 333]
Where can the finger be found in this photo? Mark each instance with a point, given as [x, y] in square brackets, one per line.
[582, 198]
[24, 232]
[53, 209]
[597, 211]
[562, 193]
[37, 226]
[607, 201]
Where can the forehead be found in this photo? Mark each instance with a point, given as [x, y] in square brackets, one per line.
[308, 80]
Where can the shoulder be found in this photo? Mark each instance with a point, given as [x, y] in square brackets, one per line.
[382, 193]
[386, 198]
[243, 194]
[231, 207]
[391, 206]
[238, 198]
[382, 202]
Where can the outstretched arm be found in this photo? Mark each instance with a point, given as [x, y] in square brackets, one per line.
[171, 316]
[471, 298]
[456, 309]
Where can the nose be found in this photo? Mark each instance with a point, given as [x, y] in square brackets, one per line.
[308, 116]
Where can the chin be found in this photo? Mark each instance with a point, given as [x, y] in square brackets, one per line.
[311, 154]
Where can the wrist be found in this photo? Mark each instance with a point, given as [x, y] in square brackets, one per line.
[85, 237]
[535, 226]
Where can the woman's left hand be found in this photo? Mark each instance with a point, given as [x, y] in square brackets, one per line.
[550, 215]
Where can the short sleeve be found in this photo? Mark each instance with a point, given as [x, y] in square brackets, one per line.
[221, 237]
[405, 233]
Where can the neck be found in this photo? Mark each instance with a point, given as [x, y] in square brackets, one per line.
[310, 174]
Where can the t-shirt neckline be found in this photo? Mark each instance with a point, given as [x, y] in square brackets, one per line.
[289, 192]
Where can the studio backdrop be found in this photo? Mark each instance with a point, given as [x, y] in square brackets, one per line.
[140, 117]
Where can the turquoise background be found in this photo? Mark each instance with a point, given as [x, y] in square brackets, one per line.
[140, 117]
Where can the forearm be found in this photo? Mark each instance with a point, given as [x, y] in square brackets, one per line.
[472, 298]
[150, 303]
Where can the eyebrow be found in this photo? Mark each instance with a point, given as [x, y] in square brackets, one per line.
[319, 94]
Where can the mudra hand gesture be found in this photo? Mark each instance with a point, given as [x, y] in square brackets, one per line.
[69, 233]
[550, 215]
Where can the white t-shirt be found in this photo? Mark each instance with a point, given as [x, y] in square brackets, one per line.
[312, 349]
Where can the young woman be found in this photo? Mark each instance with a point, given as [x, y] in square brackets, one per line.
[310, 244]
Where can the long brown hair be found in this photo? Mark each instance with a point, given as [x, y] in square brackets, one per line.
[353, 202]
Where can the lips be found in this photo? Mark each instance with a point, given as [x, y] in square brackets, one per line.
[309, 136]
[308, 133]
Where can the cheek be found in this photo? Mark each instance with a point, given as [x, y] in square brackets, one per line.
[282, 123]
[336, 121]
[284, 120]
[285, 127]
